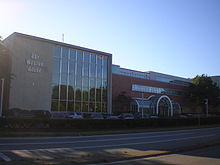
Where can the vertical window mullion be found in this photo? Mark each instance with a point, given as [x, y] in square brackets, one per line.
[102, 84]
[95, 80]
[89, 81]
[61, 49]
[82, 81]
[68, 74]
[74, 106]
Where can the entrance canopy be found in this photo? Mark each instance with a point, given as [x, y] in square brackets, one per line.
[156, 105]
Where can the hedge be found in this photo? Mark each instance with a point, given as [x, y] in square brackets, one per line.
[99, 124]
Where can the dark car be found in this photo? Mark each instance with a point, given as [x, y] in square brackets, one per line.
[126, 116]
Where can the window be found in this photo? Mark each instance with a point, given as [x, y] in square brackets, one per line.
[79, 81]
[149, 89]
[56, 65]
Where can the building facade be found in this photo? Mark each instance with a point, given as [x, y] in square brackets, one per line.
[58, 77]
[155, 93]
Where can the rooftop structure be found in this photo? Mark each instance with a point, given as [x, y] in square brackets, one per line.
[150, 75]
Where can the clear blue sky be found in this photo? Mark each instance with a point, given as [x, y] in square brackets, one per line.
[178, 37]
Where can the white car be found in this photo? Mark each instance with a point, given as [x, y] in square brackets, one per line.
[75, 115]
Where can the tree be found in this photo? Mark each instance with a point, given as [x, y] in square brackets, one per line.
[122, 103]
[202, 88]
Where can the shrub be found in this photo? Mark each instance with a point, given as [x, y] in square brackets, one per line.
[97, 124]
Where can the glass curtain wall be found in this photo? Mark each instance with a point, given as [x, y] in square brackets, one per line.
[79, 81]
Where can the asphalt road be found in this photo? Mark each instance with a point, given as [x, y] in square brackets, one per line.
[61, 147]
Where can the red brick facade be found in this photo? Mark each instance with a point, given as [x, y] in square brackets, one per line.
[122, 83]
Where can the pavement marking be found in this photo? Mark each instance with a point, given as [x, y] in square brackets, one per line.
[109, 135]
[87, 141]
[4, 157]
[115, 145]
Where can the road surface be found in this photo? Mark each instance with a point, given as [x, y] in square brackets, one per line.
[117, 146]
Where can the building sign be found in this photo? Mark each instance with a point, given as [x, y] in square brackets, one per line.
[34, 64]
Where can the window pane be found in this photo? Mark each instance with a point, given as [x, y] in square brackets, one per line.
[91, 107]
[72, 54]
[99, 71]
[64, 65]
[78, 82]
[92, 83]
[79, 69]
[70, 106]
[105, 60]
[55, 92]
[85, 94]
[85, 107]
[78, 94]
[86, 57]
[99, 59]
[104, 95]
[56, 65]
[105, 72]
[92, 70]
[55, 78]
[92, 94]
[63, 106]
[63, 92]
[54, 105]
[93, 58]
[70, 93]
[85, 82]
[98, 95]
[79, 56]
[104, 83]
[98, 107]
[65, 52]
[72, 67]
[72, 80]
[64, 79]
[86, 70]
[104, 108]
[78, 107]
[99, 84]
[57, 52]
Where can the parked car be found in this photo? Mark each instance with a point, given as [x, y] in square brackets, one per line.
[58, 115]
[75, 115]
[179, 116]
[154, 117]
[126, 116]
[111, 117]
[96, 116]
[139, 115]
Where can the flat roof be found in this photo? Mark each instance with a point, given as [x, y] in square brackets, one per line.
[57, 43]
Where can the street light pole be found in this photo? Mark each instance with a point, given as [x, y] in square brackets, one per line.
[142, 112]
[207, 106]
